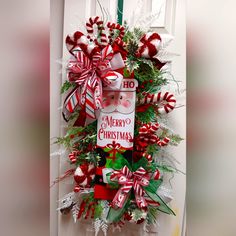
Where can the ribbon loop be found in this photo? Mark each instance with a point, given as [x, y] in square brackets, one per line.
[129, 180]
[90, 75]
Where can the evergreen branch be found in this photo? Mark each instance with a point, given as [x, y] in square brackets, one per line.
[66, 86]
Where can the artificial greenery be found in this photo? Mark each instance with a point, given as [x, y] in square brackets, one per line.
[66, 86]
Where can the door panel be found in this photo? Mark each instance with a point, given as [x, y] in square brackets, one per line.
[171, 22]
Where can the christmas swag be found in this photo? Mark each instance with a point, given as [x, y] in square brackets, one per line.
[117, 134]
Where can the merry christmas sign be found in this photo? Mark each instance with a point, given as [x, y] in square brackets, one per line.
[116, 119]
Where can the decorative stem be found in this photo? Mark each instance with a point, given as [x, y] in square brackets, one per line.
[120, 11]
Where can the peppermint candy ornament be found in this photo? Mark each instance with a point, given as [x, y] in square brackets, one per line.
[149, 45]
[84, 174]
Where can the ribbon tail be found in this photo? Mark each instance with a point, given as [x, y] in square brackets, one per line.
[89, 103]
[120, 198]
[117, 62]
[141, 202]
[71, 103]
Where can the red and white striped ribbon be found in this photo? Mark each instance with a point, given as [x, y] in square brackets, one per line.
[102, 40]
[91, 75]
[129, 180]
[166, 100]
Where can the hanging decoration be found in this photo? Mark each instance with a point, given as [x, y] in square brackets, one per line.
[115, 105]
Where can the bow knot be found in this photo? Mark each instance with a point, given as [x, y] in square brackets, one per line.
[90, 75]
[130, 180]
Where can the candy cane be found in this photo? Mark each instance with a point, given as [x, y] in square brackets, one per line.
[77, 188]
[114, 26]
[156, 174]
[148, 157]
[89, 26]
[72, 156]
[163, 142]
[160, 97]
[147, 133]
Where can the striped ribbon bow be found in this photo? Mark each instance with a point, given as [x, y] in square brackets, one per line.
[90, 75]
[129, 180]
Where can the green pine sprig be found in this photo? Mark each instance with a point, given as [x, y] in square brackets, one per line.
[66, 86]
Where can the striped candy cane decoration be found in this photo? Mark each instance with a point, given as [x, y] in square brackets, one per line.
[156, 175]
[115, 26]
[163, 142]
[89, 26]
[73, 155]
[147, 133]
[167, 100]
[77, 188]
[154, 127]
[148, 157]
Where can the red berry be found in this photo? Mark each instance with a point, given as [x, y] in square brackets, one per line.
[140, 221]
[150, 80]
[127, 216]
[72, 136]
[142, 86]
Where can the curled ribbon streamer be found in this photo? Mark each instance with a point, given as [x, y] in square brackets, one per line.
[129, 180]
[90, 75]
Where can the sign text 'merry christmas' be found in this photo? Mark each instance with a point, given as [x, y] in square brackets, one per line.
[114, 135]
[109, 121]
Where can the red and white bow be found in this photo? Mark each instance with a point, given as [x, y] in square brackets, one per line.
[130, 180]
[90, 75]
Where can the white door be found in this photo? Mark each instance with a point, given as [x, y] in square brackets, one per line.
[68, 16]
